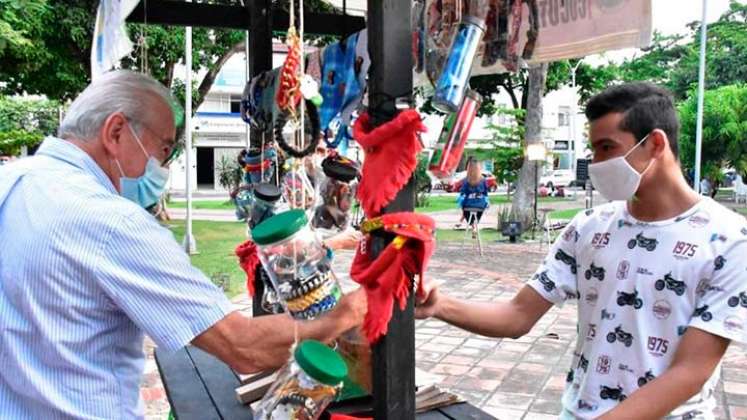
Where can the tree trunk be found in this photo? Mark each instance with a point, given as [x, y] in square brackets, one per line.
[213, 70]
[523, 202]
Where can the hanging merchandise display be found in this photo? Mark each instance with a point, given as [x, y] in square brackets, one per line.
[256, 106]
[452, 83]
[386, 277]
[298, 265]
[336, 192]
[391, 157]
[297, 189]
[525, 32]
[243, 199]
[289, 93]
[341, 88]
[305, 386]
[450, 147]
[287, 129]
[266, 197]
[259, 165]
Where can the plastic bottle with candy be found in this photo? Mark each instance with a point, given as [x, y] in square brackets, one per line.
[332, 215]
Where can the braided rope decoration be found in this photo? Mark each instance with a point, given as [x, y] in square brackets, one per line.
[289, 92]
[282, 120]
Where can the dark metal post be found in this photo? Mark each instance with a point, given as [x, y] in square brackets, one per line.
[260, 60]
[389, 45]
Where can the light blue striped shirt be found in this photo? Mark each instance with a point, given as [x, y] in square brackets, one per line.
[83, 273]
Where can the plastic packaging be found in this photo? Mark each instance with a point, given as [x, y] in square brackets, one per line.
[259, 166]
[265, 202]
[455, 75]
[450, 145]
[336, 191]
[298, 265]
[305, 386]
[298, 191]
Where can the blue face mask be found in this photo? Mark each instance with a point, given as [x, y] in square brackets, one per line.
[146, 189]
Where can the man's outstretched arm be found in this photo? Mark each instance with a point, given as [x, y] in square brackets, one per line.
[510, 319]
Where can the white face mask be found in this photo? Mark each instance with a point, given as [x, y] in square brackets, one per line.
[615, 179]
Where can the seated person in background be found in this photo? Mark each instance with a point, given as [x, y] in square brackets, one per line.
[473, 194]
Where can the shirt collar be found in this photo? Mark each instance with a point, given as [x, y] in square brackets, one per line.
[70, 153]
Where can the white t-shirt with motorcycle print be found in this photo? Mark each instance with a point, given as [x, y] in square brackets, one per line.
[639, 286]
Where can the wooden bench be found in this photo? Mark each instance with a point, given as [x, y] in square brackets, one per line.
[201, 387]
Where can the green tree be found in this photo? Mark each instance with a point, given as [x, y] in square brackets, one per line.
[25, 122]
[673, 61]
[508, 146]
[724, 130]
[57, 61]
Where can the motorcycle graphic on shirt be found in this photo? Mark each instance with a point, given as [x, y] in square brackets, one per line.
[616, 394]
[703, 313]
[740, 300]
[547, 284]
[678, 287]
[646, 378]
[596, 272]
[631, 299]
[719, 262]
[649, 244]
[620, 335]
[566, 259]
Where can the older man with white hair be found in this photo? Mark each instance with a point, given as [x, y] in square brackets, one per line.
[85, 270]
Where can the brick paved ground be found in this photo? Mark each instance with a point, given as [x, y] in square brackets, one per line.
[511, 379]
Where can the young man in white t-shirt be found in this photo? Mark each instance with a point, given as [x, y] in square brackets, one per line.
[659, 273]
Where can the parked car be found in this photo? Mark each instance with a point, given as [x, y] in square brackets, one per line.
[558, 178]
[456, 183]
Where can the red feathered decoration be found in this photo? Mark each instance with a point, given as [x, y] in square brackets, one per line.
[248, 260]
[391, 157]
[344, 417]
[388, 276]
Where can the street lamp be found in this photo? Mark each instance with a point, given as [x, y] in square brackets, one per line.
[536, 153]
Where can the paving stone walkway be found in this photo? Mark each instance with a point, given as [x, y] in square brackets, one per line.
[511, 379]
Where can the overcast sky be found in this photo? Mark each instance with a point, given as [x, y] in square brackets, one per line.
[671, 17]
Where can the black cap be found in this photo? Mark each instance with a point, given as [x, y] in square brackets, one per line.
[267, 192]
[340, 168]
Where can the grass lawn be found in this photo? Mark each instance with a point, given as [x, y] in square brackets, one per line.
[564, 214]
[203, 205]
[216, 242]
[448, 202]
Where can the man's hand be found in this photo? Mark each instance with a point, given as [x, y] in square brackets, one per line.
[345, 240]
[427, 305]
[353, 307]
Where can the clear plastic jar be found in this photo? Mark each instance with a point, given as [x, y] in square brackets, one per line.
[265, 202]
[305, 386]
[298, 191]
[259, 166]
[298, 265]
[336, 194]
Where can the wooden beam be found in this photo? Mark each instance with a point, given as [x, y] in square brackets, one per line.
[390, 46]
[181, 13]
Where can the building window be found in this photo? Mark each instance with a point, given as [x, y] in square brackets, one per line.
[564, 116]
[235, 104]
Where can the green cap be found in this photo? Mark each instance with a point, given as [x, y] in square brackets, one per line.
[321, 362]
[280, 226]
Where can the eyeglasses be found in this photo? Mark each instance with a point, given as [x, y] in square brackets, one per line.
[172, 149]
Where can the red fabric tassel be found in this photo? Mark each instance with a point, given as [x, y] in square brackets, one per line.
[248, 260]
[344, 417]
[387, 277]
[391, 157]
